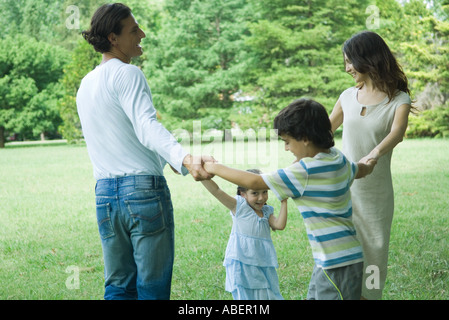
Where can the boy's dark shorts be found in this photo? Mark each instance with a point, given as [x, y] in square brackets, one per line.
[343, 283]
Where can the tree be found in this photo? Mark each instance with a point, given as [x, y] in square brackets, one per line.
[298, 47]
[83, 60]
[29, 69]
[418, 33]
[200, 56]
[426, 57]
[199, 59]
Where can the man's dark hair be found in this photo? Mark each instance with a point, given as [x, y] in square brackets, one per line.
[104, 21]
[308, 119]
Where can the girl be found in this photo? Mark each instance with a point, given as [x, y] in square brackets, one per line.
[250, 258]
[374, 115]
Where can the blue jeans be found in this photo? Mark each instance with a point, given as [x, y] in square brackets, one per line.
[135, 221]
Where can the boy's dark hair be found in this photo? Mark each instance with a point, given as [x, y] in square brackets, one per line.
[243, 189]
[104, 21]
[308, 119]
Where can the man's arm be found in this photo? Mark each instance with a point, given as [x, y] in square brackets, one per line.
[134, 95]
[238, 177]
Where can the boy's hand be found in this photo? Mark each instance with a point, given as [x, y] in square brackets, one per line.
[208, 165]
[366, 167]
[370, 162]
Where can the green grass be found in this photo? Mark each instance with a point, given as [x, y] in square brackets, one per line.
[48, 224]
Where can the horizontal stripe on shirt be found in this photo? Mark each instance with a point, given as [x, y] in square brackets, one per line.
[320, 187]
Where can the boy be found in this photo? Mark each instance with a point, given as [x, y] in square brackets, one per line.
[319, 183]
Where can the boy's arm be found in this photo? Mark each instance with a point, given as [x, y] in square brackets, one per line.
[228, 201]
[278, 223]
[365, 168]
[239, 177]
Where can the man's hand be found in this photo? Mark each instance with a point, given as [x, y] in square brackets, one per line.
[195, 166]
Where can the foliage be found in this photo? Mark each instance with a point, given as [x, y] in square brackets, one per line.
[430, 123]
[298, 49]
[231, 63]
[200, 58]
[84, 59]
[28, 85]
[422, 46]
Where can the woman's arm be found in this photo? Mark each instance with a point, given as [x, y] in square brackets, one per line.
[228, 201]
[395, 136]
[336, 116]
[279, 223]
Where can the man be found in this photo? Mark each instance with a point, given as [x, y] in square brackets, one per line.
[129, 148]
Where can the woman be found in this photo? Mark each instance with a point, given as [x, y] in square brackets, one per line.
[374, 115]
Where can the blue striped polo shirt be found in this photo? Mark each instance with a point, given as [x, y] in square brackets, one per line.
[319, 187]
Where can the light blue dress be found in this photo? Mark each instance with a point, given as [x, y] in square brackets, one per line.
[251, 259]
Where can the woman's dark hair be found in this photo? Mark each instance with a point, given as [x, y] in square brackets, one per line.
[305, 118]
[243, 189]
[104, 21]
[369, 54]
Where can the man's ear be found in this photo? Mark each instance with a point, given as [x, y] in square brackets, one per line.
[112, 37]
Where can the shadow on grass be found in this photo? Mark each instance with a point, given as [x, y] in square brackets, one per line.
[46, 143]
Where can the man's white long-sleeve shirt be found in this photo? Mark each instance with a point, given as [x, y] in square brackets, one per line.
[119, 124]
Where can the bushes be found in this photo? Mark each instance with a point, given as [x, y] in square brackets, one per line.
[429, 123]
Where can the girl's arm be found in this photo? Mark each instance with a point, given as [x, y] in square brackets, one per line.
[238, 177]
[278, 223]
[228, 201]
[395, 136]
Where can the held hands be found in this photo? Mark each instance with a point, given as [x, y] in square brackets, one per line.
[370, 163]
[367, 163]
[195, 165]
[371, 159]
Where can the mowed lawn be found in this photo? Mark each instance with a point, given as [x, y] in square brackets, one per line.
[49, 238]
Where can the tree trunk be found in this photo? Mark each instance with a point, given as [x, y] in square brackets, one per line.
[2, 137]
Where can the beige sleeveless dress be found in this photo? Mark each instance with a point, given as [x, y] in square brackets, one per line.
[372, 196]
